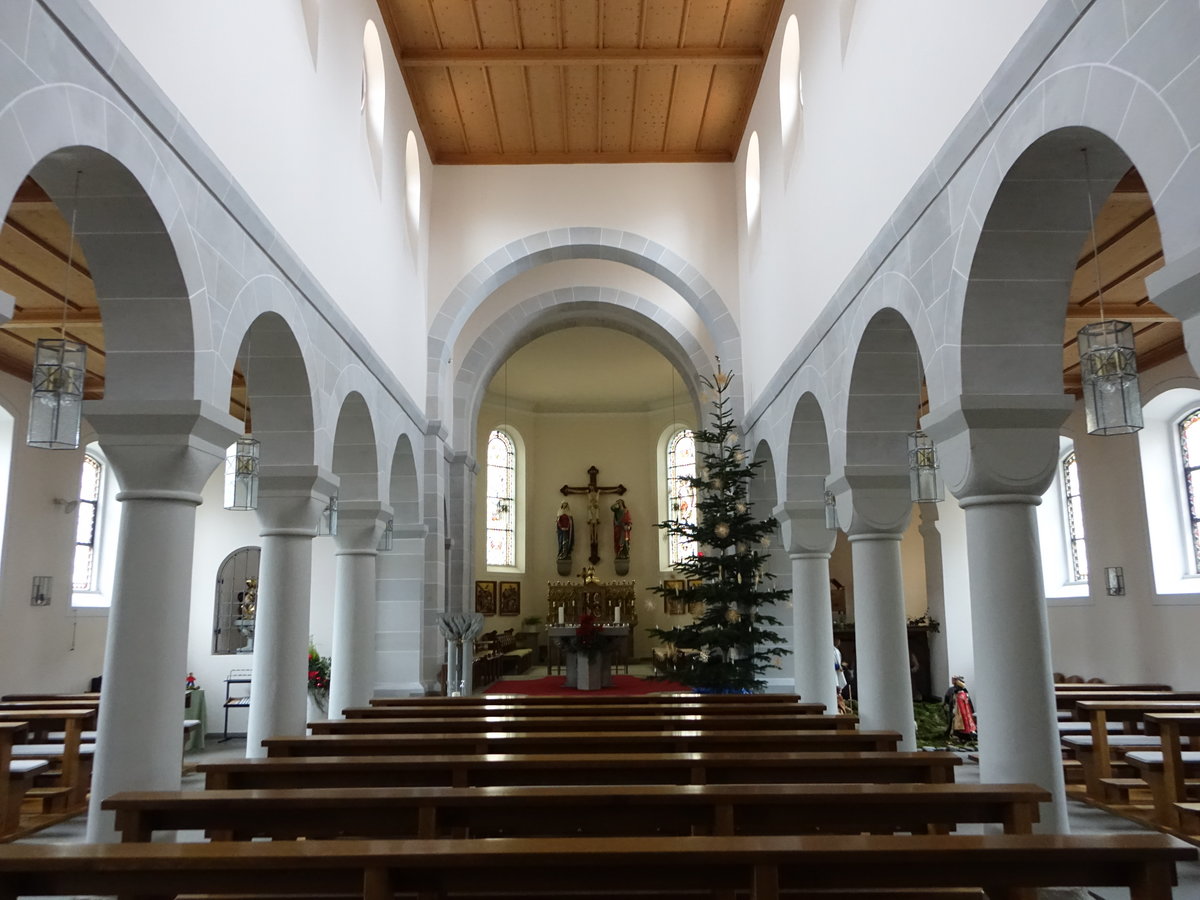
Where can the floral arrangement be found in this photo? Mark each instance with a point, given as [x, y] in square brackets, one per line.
[589, 638]
[318, 676]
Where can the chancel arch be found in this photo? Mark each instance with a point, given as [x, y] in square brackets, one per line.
[565, 308]
[576, 243]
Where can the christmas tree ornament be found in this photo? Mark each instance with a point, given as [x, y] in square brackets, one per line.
[721, 530]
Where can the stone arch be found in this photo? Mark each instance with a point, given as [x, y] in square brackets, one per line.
[576, 243]
[355, 451]
[881, 410]
[565, 308]
[1117, 116]
[139, 245]
[764, 491]
[807, 460]
[281, 399]
[404, 485]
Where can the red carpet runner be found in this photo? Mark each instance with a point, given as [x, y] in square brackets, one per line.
[555, 685]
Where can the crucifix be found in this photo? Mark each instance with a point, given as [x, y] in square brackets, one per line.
[593, 492]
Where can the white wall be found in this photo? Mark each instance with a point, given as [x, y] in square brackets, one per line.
[687, 208]
[873, 118]
[290, 131]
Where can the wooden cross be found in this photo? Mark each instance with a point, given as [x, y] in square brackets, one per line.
[593, 491]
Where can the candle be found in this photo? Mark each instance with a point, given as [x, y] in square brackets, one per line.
[560, 615]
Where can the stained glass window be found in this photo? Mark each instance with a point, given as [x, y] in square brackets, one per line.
[1189, 445]
[501, 500]
[84, 576]
[1073, 505]
[681, 496]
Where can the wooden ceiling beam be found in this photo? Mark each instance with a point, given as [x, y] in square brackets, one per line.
[1126, 312]
[585, 56]
[555, 158]
[52, 318]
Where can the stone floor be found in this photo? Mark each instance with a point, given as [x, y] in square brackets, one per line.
[1084, 819]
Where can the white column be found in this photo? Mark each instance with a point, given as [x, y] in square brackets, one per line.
[813, 624]
[400, 584]
[352, 666]
[998, 456]
[881, 636]
[290, 501]
[809, 543]
[161, 462]
[1018, 728]
[935, 592]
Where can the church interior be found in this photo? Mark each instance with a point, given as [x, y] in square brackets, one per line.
[378, 312]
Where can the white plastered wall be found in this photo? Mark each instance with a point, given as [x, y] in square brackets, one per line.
[884, 87]
[289, 129]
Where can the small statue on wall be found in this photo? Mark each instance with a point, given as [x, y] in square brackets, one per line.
[564, 527]
[622, 529]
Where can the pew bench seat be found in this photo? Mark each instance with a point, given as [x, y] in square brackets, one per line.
[930, 767]
[1151, 766]
[600, 810]
[1005, 866]
[1099, 765]
[21, 773]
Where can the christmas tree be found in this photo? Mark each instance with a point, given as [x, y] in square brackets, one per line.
[730, 644]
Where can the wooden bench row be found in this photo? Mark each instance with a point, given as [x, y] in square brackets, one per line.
[505, 707]
[763, 868]
[600, 810]
[581, 768]
[590, 699]
[582, 723]
[581, 742]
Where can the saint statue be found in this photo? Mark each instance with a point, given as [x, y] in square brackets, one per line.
[564, 527]
[622, 528]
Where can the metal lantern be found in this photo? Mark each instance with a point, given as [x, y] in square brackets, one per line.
[56, 401]
[831, 516]
[925, 484]
[1111, 396]
[241, 474]
[327, 526]
[385, 539]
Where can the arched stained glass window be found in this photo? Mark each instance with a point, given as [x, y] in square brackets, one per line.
[1073, 507]
[501, 500]
[681, 496]
[1189, 445]
[84, 575]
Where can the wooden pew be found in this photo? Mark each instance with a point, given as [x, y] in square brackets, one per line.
[16, 776]
[1066, 700]
[935, 767]
[76, 699]
[501, 708]
[574, 810]
[75, 770]
[1165, 773]
[589, 698]
[1006, 866]
[1086, 686]
[1097, 759]
[700, 722]
[1099, 715]
[581, 742]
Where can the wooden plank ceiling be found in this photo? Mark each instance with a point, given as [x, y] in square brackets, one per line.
[581, 81]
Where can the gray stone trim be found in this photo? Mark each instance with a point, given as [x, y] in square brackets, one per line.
[95, 39]
[1048, 30]
[560, 308]
[575, 243]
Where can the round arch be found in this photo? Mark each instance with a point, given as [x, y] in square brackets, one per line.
[576, 243]
[554, 311]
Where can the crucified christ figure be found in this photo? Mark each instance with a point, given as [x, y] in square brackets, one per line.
[593, 491]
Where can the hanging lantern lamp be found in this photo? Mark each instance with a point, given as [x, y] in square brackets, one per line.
[924, 479]
[831, 514]
[241, 474]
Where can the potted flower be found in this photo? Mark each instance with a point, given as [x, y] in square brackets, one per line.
[318, 678]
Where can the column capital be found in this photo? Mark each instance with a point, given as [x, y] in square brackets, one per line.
[156, 448]
[1176, 288]
[291, 498]
[360, 523]
[802, 527]
[872, 499]
[998, 444]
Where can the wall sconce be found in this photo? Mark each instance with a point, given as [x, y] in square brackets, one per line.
[831, 512]
[328, 523]
[385, 539]
[1114, 581]
[40, 596]
[68, 506]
